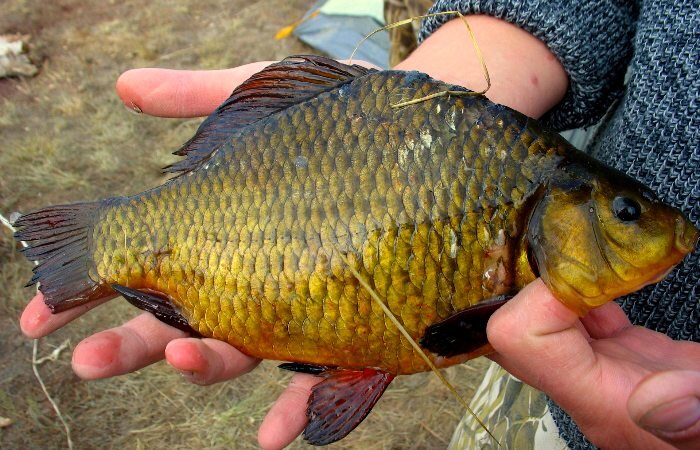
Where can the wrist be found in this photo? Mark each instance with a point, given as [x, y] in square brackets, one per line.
[525, 75]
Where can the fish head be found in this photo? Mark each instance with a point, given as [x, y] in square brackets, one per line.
[596, 234]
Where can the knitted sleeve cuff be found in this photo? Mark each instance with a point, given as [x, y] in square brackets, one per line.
[592, 40]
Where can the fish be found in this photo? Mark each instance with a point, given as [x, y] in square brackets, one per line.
[307, 178]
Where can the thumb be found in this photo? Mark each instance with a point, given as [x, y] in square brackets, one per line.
[543, 343]
[181, 93]
[667, 404]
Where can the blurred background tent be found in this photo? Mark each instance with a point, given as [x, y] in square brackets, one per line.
[335, 27]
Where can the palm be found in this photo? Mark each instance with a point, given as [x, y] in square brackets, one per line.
[624, 361]
[591, 367]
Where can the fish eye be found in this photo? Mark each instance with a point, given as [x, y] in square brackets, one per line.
[626, 209]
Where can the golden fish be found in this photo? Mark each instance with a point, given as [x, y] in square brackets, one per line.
[446, 207]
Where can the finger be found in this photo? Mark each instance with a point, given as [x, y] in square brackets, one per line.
[537, 338]
[207, 361]
[606, 321]
[37, 319]
[184, 93]
[181, 93]
[134, 345]
[287, 417]
[667, 404]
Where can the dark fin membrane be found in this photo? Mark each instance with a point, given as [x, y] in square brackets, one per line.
[462, 332]
[281, 85]
[311, 369]
[157, 304]
[341, 401]
[58, 240]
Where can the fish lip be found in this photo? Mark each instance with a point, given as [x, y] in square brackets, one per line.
[687, 235]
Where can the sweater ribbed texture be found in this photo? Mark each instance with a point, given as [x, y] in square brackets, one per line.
[570, 29]
[652, 133]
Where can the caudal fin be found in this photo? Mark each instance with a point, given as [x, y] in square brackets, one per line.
[57, 238]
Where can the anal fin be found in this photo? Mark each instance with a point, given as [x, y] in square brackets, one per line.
[462, 332]
[341, 401]
[158, 305]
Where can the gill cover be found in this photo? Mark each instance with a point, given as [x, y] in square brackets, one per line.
[596, 234]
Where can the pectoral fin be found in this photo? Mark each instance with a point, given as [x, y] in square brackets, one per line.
[157, 304]
[341, 401]
[462, 332]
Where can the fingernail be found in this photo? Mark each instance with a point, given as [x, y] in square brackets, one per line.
[133, 107]
[191, 376]
[673, 416]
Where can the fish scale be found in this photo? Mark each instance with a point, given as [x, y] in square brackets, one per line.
[263, 221]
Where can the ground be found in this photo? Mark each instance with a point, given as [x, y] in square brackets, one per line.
[66, 137]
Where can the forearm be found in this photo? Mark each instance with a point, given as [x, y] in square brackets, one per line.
[525, 75]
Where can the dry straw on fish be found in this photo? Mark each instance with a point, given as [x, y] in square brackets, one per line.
[479, 55]
[357, 275]
[413, 343]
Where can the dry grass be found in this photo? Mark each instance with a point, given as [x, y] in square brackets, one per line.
[66, 137]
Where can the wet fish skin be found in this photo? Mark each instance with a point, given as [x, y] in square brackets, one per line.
[439, 205]
[245, 246]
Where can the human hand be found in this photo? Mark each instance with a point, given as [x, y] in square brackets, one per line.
[624, 386]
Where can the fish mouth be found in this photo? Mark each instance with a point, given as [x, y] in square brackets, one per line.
[687, 235]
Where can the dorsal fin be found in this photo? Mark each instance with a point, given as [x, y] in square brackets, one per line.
[278, 86]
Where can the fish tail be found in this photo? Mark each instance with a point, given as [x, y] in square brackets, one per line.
[57, 239]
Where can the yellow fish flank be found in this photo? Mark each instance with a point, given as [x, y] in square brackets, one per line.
[446, 208]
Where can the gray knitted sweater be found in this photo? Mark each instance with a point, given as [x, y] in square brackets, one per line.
[652, 132]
